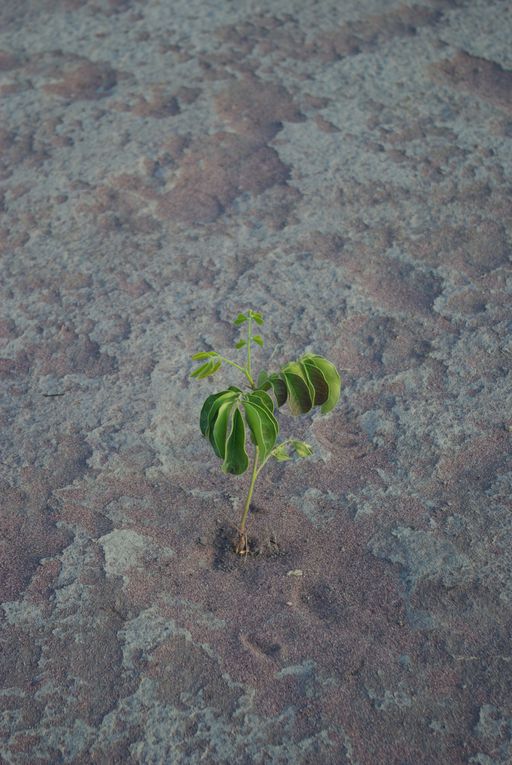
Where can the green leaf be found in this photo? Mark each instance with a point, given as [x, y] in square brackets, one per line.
[204, 370]
[258, 340]
[204, 355]
[302, 449]
[297, 368]
[262, 398]
[258, 318]
[318, 381]
[240, 343]
[219, 431]
[332, 378]
[240, 319]
[299, 398]
[236, 460]
[263, 426]
[205, 411]
[279, 388]
[280, 453]
[211, 407]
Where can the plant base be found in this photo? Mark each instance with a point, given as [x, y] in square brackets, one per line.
[241, 546]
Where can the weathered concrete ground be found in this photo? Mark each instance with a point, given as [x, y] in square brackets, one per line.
[345, 168]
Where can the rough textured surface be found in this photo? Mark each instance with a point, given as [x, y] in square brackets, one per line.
[345, 168]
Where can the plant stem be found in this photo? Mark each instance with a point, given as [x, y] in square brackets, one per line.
[249, 338]
[282, 443]
[249, 495]
[242, 369]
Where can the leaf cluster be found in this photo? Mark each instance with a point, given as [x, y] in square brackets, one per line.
[227, 416]
[221, 421]
[311, 381]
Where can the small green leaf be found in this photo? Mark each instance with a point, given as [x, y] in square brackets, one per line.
[302, 449]
[258, 318]
[206, 370]
[236, 460]
[258, 340]
[280, 453]
[240, 319]
[202, 371]
[204, 355]
[240, 343]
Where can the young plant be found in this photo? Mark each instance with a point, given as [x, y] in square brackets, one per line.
[303, 384]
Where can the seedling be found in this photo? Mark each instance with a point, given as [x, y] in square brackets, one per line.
[303, 384]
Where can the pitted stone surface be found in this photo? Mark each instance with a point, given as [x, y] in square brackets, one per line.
[344, 167]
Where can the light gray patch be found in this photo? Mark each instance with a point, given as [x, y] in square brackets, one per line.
[423, 557]
[125, 549]
[320, 507]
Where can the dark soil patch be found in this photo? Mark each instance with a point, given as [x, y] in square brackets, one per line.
[262, 543]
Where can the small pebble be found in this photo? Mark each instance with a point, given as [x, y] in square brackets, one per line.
[295, 572]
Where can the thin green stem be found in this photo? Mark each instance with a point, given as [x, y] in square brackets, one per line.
[249, 495]
[242, 369]
[282, 443]
[249, 338]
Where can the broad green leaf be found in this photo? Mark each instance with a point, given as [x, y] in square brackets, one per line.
[262, 398]
[205, 411]
[299, 398]
[263, 426]
[302, 449]
[297, 368]
[279, 388]
[211, 408]
[258, 318]
[258, 340]
[204, 355]
[218, 432]
[332, 377]
[240, 343]
[240, 319]
[236, 460]
[318, 381]
[280, 453]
